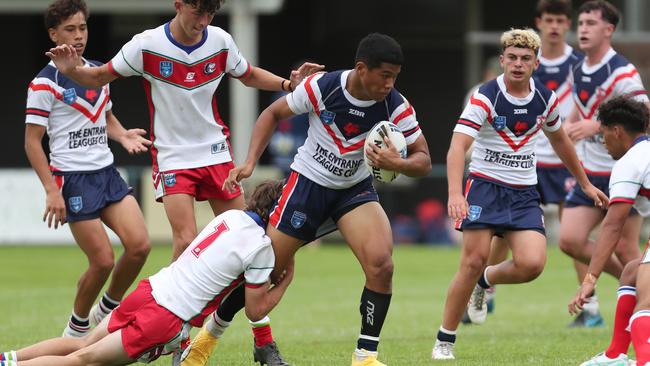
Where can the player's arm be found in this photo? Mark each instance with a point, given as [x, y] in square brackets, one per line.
[567, 153]
[132, 140]
[266, 80]
[610, 231]
[260, 300]
[262, 132]
[68, 62]
[457, 205]
[416, 164]
[54, 203]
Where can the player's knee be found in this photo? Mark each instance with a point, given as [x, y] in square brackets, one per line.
[183, 238]
[628, 276]
[138, 248]
[474, 265]
[566, 245]
[102, 262]
[530, 269]
[380, 268]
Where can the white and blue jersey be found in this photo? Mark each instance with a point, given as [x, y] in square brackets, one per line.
[332, 155]
[75, 119]
[554, 74]
[505, 129]
[613, 76]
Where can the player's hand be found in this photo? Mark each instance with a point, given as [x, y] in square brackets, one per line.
[65, 58]
[584, 292]
[286, 276]
[54, 209]
[303, 71]
[134, 142]
[457, 207]
[600, 199]
[236, 175]
[384, 158]
[582, 129]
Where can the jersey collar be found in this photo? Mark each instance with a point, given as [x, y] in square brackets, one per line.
[256, 218]
[187, 49]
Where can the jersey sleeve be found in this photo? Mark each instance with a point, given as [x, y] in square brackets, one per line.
[306, 98]
[552, 121]
[477, 111]
[404, 117]
[128, 62]
[39, 103]
[625, 182]
[258, 266]
[629, 84]
[236, 65]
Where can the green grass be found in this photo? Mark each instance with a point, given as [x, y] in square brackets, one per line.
[318, 320]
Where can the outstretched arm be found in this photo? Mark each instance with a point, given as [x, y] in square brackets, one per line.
[266, 80]
[132, 140]
[69, 63]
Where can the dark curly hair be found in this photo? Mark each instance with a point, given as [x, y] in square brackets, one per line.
[264, 198]
[205, 6]
[624, 111]
[61, 10]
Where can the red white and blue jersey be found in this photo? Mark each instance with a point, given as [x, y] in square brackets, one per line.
[630, 179]
[554, 74]
[75, 119]
[613, 76]
[231, 250]
[180, 83]
[332, 154]
[505, 129]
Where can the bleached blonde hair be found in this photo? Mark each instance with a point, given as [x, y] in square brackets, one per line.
[522, 38]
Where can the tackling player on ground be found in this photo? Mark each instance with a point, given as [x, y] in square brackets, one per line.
[330, 187]
[82, 186]
[502, 119]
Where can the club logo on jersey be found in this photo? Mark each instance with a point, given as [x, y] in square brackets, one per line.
[69, 96]
[351, 129]
[219, 148]
[166, 69]
[520, 128]
[209, 68]
[298, 219]
[327, 117]
[499, 123]
[91, 95]
[474, 212]
[170, 179]
[76, 203]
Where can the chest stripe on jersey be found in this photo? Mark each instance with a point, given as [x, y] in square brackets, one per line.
[314, 102]
[605, 95]
[92, 117]
[181, 71]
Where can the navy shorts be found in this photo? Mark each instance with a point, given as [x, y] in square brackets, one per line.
[86, 194]
[577, 197]
[501, 207]
[553, 184]
[306, 210]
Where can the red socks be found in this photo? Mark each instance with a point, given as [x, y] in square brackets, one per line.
[262, 335]
[641, 336]
[624, 309]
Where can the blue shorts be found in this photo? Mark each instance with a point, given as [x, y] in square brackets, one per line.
[501, 207]
[86, 194]
[553, 184]
[306, 210]
[577, 197]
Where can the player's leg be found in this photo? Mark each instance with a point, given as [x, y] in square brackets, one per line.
[627, 248]
[498, 253]
[126, 220]
[640, 320]
[473, 258]
[180, 213]
[93, 241]
[528, 259]
[367, 231]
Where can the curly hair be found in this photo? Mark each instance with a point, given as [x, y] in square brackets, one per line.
[626, 112]
[522, 38]
[264, 198]
[61, 10]
[205, 6]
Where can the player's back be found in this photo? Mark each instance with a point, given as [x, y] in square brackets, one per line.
[630, 180]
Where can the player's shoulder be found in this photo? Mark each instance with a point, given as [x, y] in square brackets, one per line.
[543, 91]
[489, 89]
[327, 81]
[395, 99]
[618, 61]
[576, 56]
[49, 72]
[214, 31]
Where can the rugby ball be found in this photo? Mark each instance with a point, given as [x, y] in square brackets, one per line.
[376, 137]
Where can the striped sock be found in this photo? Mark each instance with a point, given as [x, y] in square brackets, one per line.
[9, 356]
[216, 326]
[78, 324]
[262, 332]
[107, 304]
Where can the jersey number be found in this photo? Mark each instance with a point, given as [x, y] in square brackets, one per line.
[205, 243]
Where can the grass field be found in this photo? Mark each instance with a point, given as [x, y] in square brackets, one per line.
[318, 321]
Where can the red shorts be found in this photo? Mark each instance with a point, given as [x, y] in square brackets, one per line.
[203, 183]
[146, 326]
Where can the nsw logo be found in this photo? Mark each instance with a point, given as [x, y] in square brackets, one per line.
[474, 212]
[499, 123]
[298, 219]
[69, 96]
[170, 179]
[166, 69]
[76, 203]
[327, 117]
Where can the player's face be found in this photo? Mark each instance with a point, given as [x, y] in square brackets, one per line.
[612, 141]
[593, 30]
[72, 31]
[191, 20]
[553, 27]
[518, 64]
[378, 82]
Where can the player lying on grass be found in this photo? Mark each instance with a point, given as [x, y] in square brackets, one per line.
[231, 251]
[624, 123]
